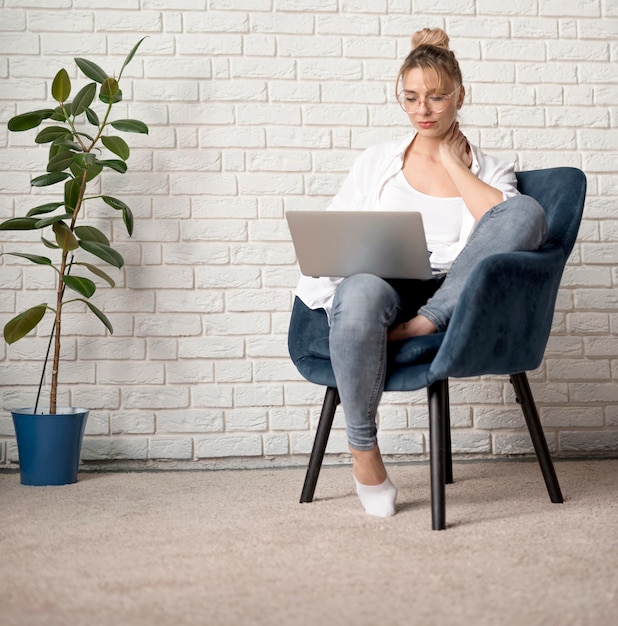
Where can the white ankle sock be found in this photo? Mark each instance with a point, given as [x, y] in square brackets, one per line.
[378, 499]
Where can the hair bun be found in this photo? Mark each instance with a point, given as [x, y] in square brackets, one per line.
[435, 37]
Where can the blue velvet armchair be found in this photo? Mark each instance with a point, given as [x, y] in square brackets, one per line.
[500, 326]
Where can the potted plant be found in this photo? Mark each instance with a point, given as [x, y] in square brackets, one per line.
[82, 146]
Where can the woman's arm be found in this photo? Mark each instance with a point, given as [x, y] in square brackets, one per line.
[456, 157]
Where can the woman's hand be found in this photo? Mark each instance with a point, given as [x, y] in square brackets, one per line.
[454, 147]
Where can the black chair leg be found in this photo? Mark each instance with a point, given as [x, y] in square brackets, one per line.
[331, 400]
[526, 400]
[447, 435]
[437, 452]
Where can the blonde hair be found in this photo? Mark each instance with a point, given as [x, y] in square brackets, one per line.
[430, 51]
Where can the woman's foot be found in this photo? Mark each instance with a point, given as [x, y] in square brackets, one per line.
[416, 327]
[375, 490]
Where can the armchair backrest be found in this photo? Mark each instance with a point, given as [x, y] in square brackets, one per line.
[560, 191]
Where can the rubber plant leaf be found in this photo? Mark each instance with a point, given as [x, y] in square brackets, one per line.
[19, 223]
[61, 162]
[114, 164]
[130, 126]
[90, 233]
[127, 216]
[49, 179]
[110, 91]
[61, 86]
[51, 133]
[91, 70]
[83, 99]
[72, 189]
[44, 208]
[23, 323]
[92, 117]
[103, 252]
[26, 121]
[131, 55]
[49, 244]
[35, 258]
[117, 145]
[84, 286]
[48, 221]
[64, 237]
[100, 315]
[100, 273]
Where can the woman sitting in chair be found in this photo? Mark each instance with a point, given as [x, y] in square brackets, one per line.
[471, 209]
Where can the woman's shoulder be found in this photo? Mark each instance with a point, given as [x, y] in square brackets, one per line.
[385, 150]
[489, 161]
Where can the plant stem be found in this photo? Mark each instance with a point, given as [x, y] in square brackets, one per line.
[53, 393]
[57, 329]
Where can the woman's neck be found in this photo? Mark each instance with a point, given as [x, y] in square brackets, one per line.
[427, 146]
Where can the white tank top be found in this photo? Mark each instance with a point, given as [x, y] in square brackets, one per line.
[442, 217]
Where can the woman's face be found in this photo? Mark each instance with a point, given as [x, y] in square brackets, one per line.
[431, 110]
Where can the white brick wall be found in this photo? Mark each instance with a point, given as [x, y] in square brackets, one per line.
[257, 106]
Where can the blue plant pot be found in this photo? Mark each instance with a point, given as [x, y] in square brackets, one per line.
[49, 446]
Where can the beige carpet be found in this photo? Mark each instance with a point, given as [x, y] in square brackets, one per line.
[235, 548]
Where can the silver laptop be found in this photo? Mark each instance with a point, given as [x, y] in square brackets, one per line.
[389, 244]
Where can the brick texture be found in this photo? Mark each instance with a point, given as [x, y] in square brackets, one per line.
[259, 106]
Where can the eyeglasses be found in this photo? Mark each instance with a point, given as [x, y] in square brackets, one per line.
[436, 104]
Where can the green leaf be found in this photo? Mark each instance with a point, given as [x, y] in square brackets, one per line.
[84, 159]
[119, 205]
[83, 286]
[91, 70]
[26, 121]
[61, 161]
[127, 218]
[19, 223]
[35, 258]
[49, 244]
[117, 145]
[100, 315]
[131, 55]
[64, 237]
[130, 126]
[92, 171]
[90, 233]
[61, 86]
[83, 99]
[51, 133]
[54, 150]
[44, 208]
[110, 91]
[108, 100]
[23, 323]
[114, 164]
[106, 253]
[52, 220]
[72, 190]
[60, 114]
[100, 273]
[92, 117]
[49, 179]
[67, 143]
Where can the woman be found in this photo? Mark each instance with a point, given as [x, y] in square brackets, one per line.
[471, 209]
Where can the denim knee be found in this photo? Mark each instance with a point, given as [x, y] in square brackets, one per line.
[526, 217]
[364, 296]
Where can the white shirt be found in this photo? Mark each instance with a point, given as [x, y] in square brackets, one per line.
[442, 217]
[362, 191]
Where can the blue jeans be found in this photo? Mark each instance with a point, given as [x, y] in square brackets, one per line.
[365, 307]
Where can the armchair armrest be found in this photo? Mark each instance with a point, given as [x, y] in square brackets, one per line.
[503, 318]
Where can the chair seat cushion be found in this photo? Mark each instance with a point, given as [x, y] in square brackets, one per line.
[417, 349]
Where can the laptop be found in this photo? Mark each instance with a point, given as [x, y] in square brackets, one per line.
[388, 244]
